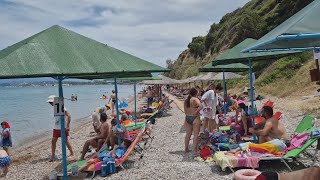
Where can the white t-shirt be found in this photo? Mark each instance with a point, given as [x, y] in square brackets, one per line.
[211, 99]
[57, 122]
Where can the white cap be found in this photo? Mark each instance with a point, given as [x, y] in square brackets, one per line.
[51, 98]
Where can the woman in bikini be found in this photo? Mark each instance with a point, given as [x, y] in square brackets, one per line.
[113, 101]
[192, 108]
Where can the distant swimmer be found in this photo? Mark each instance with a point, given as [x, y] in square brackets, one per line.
[73, 98]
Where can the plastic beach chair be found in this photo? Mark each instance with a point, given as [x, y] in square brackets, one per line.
[119, 162]
[305, 126]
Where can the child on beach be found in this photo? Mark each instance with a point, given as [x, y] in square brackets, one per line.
[6, 136]
[117, 152]
[4, 162]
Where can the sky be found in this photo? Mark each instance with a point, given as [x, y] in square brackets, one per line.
[154, 30]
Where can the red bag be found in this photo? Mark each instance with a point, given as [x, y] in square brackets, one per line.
[205, 153]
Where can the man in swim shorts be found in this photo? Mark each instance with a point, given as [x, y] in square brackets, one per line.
[97, 141]
[57, 130]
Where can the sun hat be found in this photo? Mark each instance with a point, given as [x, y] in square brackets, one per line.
[51, 98]
[108, 105]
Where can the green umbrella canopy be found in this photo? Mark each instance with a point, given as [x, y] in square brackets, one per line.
[235, 67]
[227, 75]
[58, 51]
[301, 30]
[123, 76]
[140, 78]
[234, 55]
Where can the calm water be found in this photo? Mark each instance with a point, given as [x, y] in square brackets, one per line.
[26, 109]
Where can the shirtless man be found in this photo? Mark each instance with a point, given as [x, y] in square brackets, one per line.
[97, 142]
[273, 128]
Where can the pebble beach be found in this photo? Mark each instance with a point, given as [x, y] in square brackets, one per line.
[164, 158]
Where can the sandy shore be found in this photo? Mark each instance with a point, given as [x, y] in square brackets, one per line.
[164, 159]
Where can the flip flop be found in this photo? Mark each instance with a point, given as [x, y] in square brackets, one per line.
[55, 157]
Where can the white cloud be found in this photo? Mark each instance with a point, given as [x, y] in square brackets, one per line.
[152, 30]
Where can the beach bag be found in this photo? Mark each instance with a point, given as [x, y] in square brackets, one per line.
[123, 105]
[108, 166]
[205, 153]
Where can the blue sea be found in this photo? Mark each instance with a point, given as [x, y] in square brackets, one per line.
[29, 115]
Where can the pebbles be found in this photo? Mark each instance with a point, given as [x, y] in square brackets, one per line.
[165, 159]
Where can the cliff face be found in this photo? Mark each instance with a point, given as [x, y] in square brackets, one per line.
[253, 20]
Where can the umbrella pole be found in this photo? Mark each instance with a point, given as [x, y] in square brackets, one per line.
[225, 93]
[117, 109]
[251, 97]
[224, 85]
[63, 134]
[135, 103]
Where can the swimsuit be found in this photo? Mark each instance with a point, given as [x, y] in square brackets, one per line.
[114, 100]
[5, 161]
[190, 119]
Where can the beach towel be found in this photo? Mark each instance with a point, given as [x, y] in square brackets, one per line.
[275, 147]
[298, 141]
[234, 161]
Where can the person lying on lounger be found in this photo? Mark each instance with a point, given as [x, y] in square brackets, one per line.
[270, 128]
[275, 147]
[117, 152]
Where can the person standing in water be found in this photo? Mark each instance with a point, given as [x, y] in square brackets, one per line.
[57, 130]
[192, 108]
[113, 101]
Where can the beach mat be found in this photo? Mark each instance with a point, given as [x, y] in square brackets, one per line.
[79, 164]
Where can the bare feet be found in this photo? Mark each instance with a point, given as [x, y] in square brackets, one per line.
[187, 151]
[51, 159]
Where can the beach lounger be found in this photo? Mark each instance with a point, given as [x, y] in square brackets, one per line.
[119, 161]
[305, 126]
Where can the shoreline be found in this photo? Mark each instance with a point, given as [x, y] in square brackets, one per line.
[47, 135]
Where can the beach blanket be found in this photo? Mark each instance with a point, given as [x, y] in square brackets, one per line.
[233, 161]
[275, 147]
[250, 154]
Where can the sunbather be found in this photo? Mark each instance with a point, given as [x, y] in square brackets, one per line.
[117, 152]
[270, 128]
[97, 142]
[275, 147]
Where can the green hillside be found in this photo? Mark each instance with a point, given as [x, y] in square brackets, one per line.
[253, 20]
